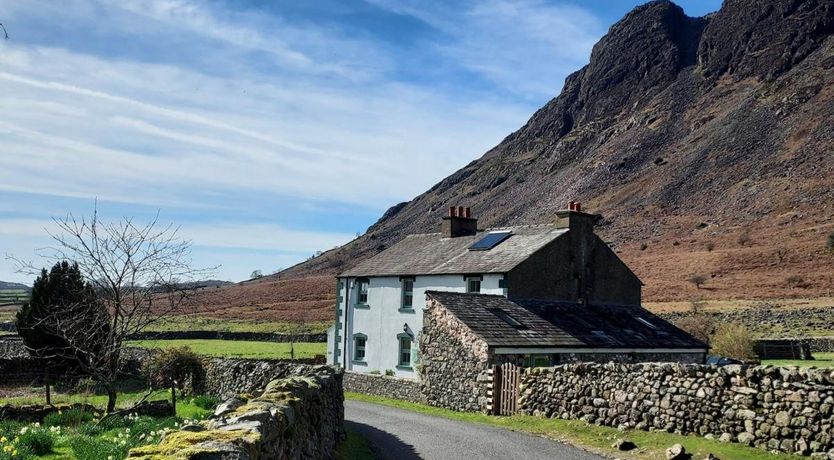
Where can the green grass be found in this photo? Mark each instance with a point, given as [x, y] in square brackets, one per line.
[822, 360]
[194, 323]
[651, 445]
[354, 447]
[240, 349]
[186, 408]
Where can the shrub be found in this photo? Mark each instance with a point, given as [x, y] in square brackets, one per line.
[830, 244]
[697, 280]
[389, 372]
[36, 439]
[710, 246]
[699, 326]
[744, 238]
[205, 402]
[176, 367]
[795, 281]
[70, 417]
[643, 246]
[733, 341]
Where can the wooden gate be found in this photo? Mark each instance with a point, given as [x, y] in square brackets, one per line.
[505, 382]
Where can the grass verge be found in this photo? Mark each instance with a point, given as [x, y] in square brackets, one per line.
[354, 447]
[651, 445]
[239, 349]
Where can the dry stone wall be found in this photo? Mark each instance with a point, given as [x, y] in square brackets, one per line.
[786, 409]
[297, 417]
[383, 385]
[226, 378]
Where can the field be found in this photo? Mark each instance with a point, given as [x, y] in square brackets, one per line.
[201, 323]
[821, 360]
[13, 297]
[240, 349]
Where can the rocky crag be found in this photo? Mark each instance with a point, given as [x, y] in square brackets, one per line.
[704, 142]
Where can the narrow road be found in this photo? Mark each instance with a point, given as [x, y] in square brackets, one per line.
[398, 434]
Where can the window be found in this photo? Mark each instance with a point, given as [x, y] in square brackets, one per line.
[362, 291]
[408, 293]
[405, 350]
[473, 284]
[538, 360]
[359, 341]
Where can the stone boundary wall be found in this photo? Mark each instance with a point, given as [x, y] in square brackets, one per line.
[297, 417]
[226, 377]
[787, 409]
[383, 385]
[222, 335]
[763, 319]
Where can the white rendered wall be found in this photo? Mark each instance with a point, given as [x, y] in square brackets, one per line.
[384, 319]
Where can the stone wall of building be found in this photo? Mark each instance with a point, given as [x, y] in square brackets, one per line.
[452, 360]
[383, 385]
[296, 417]
[786, 409]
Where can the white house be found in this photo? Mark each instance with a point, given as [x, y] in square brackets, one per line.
[379, 311]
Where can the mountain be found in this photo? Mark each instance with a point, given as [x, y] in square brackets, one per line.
[7, 285]
[704, 142]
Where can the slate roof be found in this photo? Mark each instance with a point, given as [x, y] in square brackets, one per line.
[562, 324]
[432, 254]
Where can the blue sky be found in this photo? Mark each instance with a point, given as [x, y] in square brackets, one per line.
[267, 130]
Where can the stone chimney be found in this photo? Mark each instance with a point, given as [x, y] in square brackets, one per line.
[575, 219]
[459, 222]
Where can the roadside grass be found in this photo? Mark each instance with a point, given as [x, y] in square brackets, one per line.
[200, 323]
[821, 360]
[354, 447]
[651, 445]
[239, 348]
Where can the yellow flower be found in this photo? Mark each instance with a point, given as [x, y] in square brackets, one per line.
[3, 440]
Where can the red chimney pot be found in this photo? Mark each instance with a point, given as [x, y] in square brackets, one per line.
[467, 213]
[452, 210]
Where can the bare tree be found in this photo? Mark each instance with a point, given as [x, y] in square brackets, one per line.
[141, 275]
[697, 280]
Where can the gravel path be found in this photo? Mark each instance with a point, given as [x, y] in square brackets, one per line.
[405, 435]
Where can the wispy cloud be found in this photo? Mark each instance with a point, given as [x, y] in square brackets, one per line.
[190, 106]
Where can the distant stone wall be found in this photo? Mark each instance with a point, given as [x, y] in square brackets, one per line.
[453, 361]
[223, 335]
[297, 417]
[786, 409]
[767, 318]
[383, 385]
